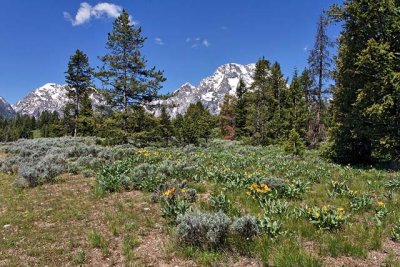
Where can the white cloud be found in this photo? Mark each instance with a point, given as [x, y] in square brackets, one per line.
[196, 42]
[86, 12]
[224, 28]
[159, 41]
[206, 43]
[305, 48]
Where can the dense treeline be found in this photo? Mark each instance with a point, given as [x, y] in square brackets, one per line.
[360, 125]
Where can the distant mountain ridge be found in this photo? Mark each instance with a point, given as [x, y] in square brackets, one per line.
[210, 92]
[6, 109]
[49, 97]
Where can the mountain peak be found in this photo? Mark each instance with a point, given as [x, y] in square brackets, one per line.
[49, 97]
[210, 91]
[5, 108]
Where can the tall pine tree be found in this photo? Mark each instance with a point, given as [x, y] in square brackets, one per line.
[165, 126]
[366, 104]
[296, 110]
[124, 71]
[320, 63]
[79, 80]
[259, 111]
[240, 109]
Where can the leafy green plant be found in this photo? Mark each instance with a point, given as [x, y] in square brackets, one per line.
[112, 178]
[380, 212]
[171, 208]
[361, 202]
[275, 206]
[341, 189]
[296, 189]
[327, 217]
[395, 232]
[219, 202]
[393, 183]
[272, 228]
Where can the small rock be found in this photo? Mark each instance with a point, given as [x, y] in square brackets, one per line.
[7, 226]
[146, 209]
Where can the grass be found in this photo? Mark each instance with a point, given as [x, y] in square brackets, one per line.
[57, 224]
[68, 222]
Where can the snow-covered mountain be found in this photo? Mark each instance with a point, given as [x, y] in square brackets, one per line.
[50, 97]
[210, 92]
[5, 109]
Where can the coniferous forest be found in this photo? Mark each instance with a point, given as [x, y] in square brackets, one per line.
[293, 171]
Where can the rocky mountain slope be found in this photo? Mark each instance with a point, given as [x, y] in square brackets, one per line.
[50, 97]
[210, 91]
[5, 109]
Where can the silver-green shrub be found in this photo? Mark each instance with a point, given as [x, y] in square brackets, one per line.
[203, 229]
[246, 226]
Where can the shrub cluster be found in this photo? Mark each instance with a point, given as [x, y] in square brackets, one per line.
[203, 229]
[127, 174]
[210, 230]
[38, 161]
[246, 226]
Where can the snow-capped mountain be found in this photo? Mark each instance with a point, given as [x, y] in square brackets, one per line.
[50, 97]
[5, 109]
[210, 92]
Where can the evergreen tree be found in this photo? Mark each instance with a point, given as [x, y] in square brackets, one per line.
[320, 66]
[69, 119]
[86, 121]
[277, 85]
[366, 104]
[197, 124]
[165, 126]
[240, 109]
[227, 117]
[296, 110]
[265, 111]
[178, 128]
[306, 82]
[294, 144]
[259, 111]
[49, 124]
[79, 80]
[124, 70]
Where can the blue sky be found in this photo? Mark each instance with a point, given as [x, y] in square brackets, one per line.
[188, 39]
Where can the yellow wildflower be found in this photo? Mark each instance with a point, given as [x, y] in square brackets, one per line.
[340, 209]
[169, 192]
[381, 204]
[325, 208]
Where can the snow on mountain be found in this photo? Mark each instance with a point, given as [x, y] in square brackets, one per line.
[5, 109]
[210, 92]
[49, 97]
